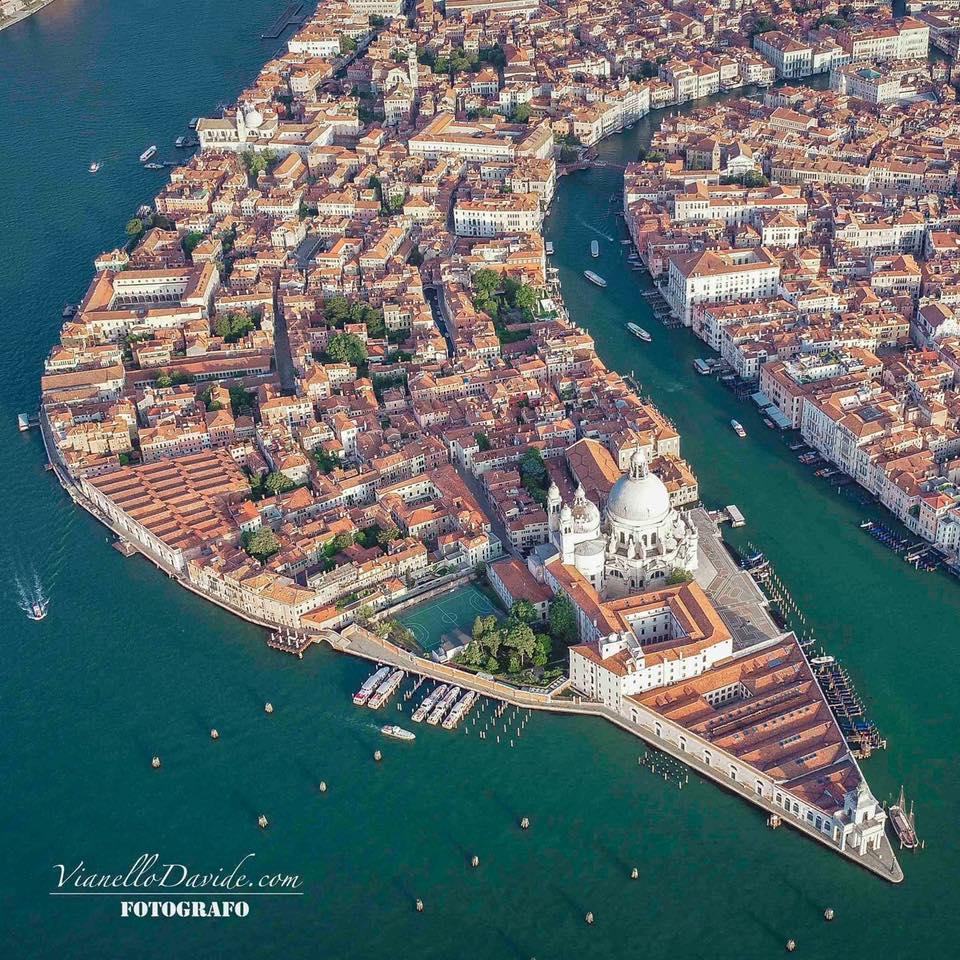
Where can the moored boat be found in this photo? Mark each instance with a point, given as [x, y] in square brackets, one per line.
[738, 428]
[639, 332]
[903, 823]
[385, 690]
[595, 278]
[369, 685]
[443, 706]
[180, 142]
[701, 366]
[460, 709]
[193, 123]
[429, 702]
[398, 733]
[153, 166]
[148, 153]
[594, 248]
[548, 248]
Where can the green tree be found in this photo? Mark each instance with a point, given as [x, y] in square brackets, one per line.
[277, 482]
[164, 381]
[542, 648]
[492, 665]
[134, 227]
[190, 241]
[521, 113]
[233, 326]
[563, 620]
[678, 575]
[262, 544]
[520, 637]
[523, 611]
[483, 441]
[347, 348]
[242, 401]
[326, 462]
[385, 537]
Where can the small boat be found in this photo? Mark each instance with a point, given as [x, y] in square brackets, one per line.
[95, 166]
[903, 823]
[738, 428]
[768, 423]
[443, 706]
[153, 166]
[193, 123]
[392, 730]
[639, 332]
[626, 243]
[68, 311]
[548, 248]
[594, 248]
[701, 366]
[180, 142]
[148, 153]
[823, 661]
[595, 278]
[38, 610]
[369, 685]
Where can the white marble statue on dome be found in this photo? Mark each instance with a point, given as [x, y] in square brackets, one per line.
[640, 540]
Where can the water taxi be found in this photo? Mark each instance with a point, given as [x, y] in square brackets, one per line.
[461, 709]
[443, 706]
[153, 166]
[548, 248]
[701, 366]
[385, 691]
[193, 123]
[369, 685]
[595, 278]
[38, 610]
[94, 167]
[738, 428]
[594, 248]
[398, 733]
[639, 332]
[903, 823]
[429, 702]
[148, 153]
[180, 142]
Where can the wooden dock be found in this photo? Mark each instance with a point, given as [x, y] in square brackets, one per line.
[292, 13]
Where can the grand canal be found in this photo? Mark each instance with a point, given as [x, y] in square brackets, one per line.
[127, 665]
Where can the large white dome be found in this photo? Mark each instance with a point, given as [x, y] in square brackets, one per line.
[638, 497]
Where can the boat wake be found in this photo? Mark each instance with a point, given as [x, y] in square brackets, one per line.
[31, 598]
[599, 233]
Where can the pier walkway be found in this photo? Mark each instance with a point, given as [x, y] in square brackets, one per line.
[362, 643]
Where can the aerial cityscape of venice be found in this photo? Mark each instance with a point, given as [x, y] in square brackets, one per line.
[485, 478]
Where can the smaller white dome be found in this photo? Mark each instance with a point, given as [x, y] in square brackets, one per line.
[253, 118]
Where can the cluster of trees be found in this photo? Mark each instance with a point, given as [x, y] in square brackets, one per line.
[326, 462]
[261, 544]
[269, 485]
[763, 24]
[256, 163]
[190, 241]
[521, 113]
[347, 44]
[173, 379]
[648, 69]
[234, 326]
[347, 348]
[376, 536]
[651, 156]
[514, 641]
[752, 178]
[242, 401]
[462, 61]
[534, 475]
[504, 299]
[563, 620]
[397, 633]
[338, 310]
[678, 575]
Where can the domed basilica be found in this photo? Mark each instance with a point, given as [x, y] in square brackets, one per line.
[637, 543]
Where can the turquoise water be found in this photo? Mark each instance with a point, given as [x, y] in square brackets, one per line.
[127, 665]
